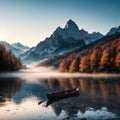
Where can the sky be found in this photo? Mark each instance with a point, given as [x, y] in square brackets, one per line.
[31, 21]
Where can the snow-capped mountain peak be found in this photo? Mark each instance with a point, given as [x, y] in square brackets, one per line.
[70, 30]
[19, 45]
[97, 34]
[113, 30]
[71, 25]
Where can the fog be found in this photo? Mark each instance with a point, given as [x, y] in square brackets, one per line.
[50, 72]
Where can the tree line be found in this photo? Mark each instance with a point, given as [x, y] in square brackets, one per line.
[103, 57]
[8, 61]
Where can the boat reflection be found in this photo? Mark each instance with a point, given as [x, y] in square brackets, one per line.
[49, 102]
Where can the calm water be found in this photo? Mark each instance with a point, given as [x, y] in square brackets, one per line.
[19, 96]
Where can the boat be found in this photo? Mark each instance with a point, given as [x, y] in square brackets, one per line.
[63, 94]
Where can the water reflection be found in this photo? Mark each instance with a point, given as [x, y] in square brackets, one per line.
[8, 88]
[17, 89]
[95, 93]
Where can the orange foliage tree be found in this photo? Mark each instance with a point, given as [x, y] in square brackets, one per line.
[8, 61]
[117, 59]
[74, 66]
[63, 66]
[104, 61]
[85, 64]
[95, 59]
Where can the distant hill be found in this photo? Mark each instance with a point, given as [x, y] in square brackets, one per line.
[102, 55]
[8, 61]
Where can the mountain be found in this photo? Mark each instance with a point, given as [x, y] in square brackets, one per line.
[113, 30]
[28, 54]
[62, 40]
[102, 55]
[16, 48]
[20, 46]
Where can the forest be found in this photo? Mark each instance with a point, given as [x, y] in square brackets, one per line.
[103, 56]
[8, 61]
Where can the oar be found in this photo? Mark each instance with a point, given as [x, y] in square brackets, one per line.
[40, 102]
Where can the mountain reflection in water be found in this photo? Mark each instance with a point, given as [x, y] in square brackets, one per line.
[95, 93]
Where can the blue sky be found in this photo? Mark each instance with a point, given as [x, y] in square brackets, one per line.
[31, 21]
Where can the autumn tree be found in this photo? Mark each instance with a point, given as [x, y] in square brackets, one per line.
[63, 66]
[8, 61]
[95, 59]
[117, 59]
[74, 66]
[85, 64]
[111, 62]
[104, 61]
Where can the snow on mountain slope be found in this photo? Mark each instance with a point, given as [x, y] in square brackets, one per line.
[20, 46]
[16, 48]
[62, 40]
[113, 30]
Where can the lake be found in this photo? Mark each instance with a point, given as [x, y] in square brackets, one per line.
[21, 91]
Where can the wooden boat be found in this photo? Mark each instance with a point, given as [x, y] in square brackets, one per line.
[63, 94]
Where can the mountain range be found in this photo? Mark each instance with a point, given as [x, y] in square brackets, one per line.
[62, 40]
[16, 48]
